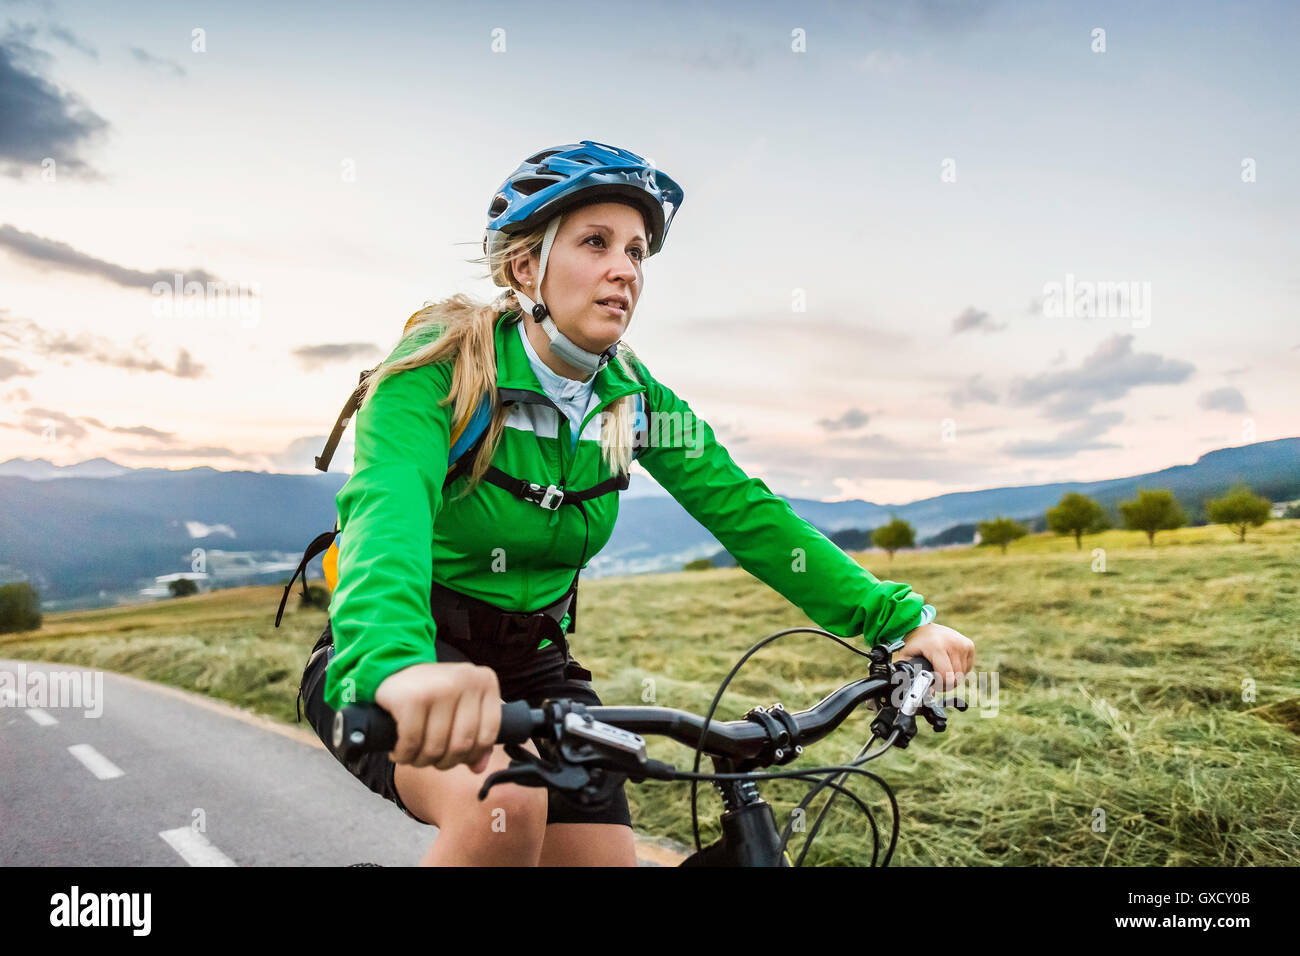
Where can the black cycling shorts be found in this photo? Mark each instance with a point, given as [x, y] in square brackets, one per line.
[523, 672]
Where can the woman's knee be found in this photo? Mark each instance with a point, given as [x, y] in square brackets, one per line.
[449, 799]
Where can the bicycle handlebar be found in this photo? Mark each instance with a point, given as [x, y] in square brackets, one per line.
[766, 735]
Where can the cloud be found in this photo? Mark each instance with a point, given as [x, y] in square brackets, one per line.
[40, 120]
[64, 35]
[1110, 372]
[12, 368]
[36, 420]
[973, 390]
[202, 451]
[728, 434]
[300, 455]
[1226, 399]
[315, 356]
[948, 16]
[51, 424]
[157, 62]
[851, 419]
[973, 318]
[1071, 441]
[186, 367]
[881, 61]
[732, 53]
[875, 442]
[144, 431]
[51, 253]
[91, 348]
[803, 472]
[777, 332]
[197, 529]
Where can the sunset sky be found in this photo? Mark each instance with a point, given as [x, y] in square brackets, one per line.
[919, 175]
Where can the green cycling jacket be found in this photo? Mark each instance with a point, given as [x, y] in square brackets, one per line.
[397, 534]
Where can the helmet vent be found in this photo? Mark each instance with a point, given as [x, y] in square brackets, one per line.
[526, 187]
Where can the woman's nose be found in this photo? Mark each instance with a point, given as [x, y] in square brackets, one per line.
[624, 268]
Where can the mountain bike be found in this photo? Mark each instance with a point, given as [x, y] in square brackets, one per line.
[582, 751]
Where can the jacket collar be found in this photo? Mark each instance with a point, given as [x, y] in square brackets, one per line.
[515, 372]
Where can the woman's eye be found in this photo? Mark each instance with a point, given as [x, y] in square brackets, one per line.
[640, 253]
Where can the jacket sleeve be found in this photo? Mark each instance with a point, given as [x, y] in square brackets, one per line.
[380, 607]
[763, 533]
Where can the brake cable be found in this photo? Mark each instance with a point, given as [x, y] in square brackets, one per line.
[829, 781]
[708, 718]
[875, 831]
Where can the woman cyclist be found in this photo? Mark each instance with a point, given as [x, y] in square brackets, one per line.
[457, 590]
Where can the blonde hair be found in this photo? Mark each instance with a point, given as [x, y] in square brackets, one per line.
[466, 338]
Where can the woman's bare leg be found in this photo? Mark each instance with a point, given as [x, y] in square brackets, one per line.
[505, 829]
[588, 844]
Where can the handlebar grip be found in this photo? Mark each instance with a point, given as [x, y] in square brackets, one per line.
[368, 728]
[363, 728]
[516, 722]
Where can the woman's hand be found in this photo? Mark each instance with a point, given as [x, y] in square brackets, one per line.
[951, 653]
[446, 714]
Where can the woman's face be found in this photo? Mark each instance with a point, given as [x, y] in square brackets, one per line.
[596, 255]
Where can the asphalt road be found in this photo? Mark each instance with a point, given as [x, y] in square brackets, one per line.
[140, 774]
[166, 778]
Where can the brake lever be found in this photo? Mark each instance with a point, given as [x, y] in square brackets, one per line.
[588, 774]
[528, 773]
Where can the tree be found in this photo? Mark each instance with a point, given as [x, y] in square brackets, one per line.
[1240, 508]
[182, 587]
[897, 534]
[1001, 531]
[316, 596]
[20, 608]
[1152, 511]
[1078, 515]
[699, 564]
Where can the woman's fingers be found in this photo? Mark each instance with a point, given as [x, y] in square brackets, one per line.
[437, 730]
[462, 734]
[410, 733]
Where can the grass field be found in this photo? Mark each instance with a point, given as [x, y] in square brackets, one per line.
[1119, 692]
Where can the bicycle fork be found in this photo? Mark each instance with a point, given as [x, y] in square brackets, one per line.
[749, 833]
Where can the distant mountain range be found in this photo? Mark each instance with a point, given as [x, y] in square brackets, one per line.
[97, 531]
[38, 469]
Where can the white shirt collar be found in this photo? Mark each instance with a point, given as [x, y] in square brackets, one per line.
[552, 381]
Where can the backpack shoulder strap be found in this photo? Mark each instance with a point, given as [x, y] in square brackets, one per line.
[466, 443]
[341, 424]
[640, 426]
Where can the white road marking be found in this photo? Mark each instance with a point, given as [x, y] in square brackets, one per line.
[40, 716]
[195, 848]
[7, 696]
[95, 762]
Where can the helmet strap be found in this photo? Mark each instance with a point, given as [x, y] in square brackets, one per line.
[561, 344]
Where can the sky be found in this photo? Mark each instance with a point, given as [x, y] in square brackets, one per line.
[925, 247]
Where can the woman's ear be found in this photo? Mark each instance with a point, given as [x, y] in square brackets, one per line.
[523, 270]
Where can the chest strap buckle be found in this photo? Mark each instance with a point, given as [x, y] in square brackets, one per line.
[549, 497]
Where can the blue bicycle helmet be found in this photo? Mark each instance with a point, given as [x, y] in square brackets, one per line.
[554, 180]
